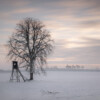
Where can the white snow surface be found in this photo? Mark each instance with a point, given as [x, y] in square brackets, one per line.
[56, 85]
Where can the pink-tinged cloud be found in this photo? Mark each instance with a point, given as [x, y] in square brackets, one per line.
[25, 10]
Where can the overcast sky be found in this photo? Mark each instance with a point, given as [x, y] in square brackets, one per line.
[74, 25]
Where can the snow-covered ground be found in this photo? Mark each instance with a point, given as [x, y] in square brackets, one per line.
[56, 85]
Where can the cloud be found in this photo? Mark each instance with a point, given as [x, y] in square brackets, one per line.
[88, 52]
[13, 3]
[90, 24]
[82, 42]
[3, 49]
[59, 59]
[7, 30]
[25, 10]
[79, 55]
[18, 11]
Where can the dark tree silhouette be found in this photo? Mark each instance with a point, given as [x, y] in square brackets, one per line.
[30, 45]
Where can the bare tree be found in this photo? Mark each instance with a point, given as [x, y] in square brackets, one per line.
[30, 44]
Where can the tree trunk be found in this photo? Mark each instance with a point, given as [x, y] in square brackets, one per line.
[31, 71]
[31, 76]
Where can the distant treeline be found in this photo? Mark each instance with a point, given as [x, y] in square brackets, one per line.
[74, 67]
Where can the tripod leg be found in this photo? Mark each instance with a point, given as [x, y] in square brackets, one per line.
[21, 75]
[11, 78]
[17, 76]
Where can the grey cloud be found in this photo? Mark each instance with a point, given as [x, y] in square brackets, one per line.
[88, 42]
[84, 55]
[90, 24]
[91, 40]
